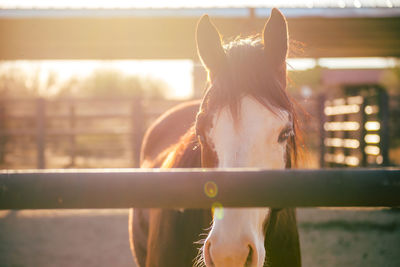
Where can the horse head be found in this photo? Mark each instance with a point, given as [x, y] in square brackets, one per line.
[246, 119]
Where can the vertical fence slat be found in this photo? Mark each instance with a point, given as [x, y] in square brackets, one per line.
[40, 132]
[72, 131]
[3, 138]
[363, 133]
[384, 131]
[322, 119]
[137, 127]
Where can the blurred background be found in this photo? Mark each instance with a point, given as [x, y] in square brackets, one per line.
[80, 81]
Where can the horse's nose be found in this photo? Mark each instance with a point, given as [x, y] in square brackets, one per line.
[237, 254]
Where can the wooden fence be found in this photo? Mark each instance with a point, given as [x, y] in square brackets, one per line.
[355, 129]
[38, 120]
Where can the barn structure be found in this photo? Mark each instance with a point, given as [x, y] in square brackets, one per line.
[107, 34]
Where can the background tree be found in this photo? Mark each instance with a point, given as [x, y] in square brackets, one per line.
[113, 83]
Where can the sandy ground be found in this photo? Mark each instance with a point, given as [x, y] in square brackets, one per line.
[64, 238]
[329, 237]
[349, 237]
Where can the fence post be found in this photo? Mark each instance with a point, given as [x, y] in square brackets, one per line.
[40, 132]
[137, 130]
[321, 106]
[363, 132]
[72, 133]
[384, 131]
[3, 137]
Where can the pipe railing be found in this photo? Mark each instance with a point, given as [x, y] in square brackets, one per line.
[198, 188]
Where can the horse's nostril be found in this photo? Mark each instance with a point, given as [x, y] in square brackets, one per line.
[219, 255]
[249, 259]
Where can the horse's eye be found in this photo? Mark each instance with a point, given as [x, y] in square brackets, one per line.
[285, 134]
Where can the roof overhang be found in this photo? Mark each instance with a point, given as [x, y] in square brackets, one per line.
[137, 34]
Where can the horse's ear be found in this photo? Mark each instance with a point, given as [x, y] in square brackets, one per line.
[209, 46]
[275, 37]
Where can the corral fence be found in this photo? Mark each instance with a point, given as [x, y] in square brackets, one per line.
[37, 126]
[355, 128]
[116, 188]
[197, 188]
[62, 133]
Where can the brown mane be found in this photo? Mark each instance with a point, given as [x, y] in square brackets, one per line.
[185, 154]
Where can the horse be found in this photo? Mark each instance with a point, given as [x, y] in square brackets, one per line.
[245, 119]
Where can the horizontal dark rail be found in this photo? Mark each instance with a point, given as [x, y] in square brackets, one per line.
[197, 188]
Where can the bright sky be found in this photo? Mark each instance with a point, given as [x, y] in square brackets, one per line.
[177, 74]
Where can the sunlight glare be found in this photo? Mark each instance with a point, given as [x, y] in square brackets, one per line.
[357, 63]
[177, 74]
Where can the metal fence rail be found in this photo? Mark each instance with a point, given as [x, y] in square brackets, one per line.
[196, 188]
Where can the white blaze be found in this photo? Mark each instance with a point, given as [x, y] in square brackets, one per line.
[252, 142]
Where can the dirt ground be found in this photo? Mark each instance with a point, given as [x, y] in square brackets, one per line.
[329, 237]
